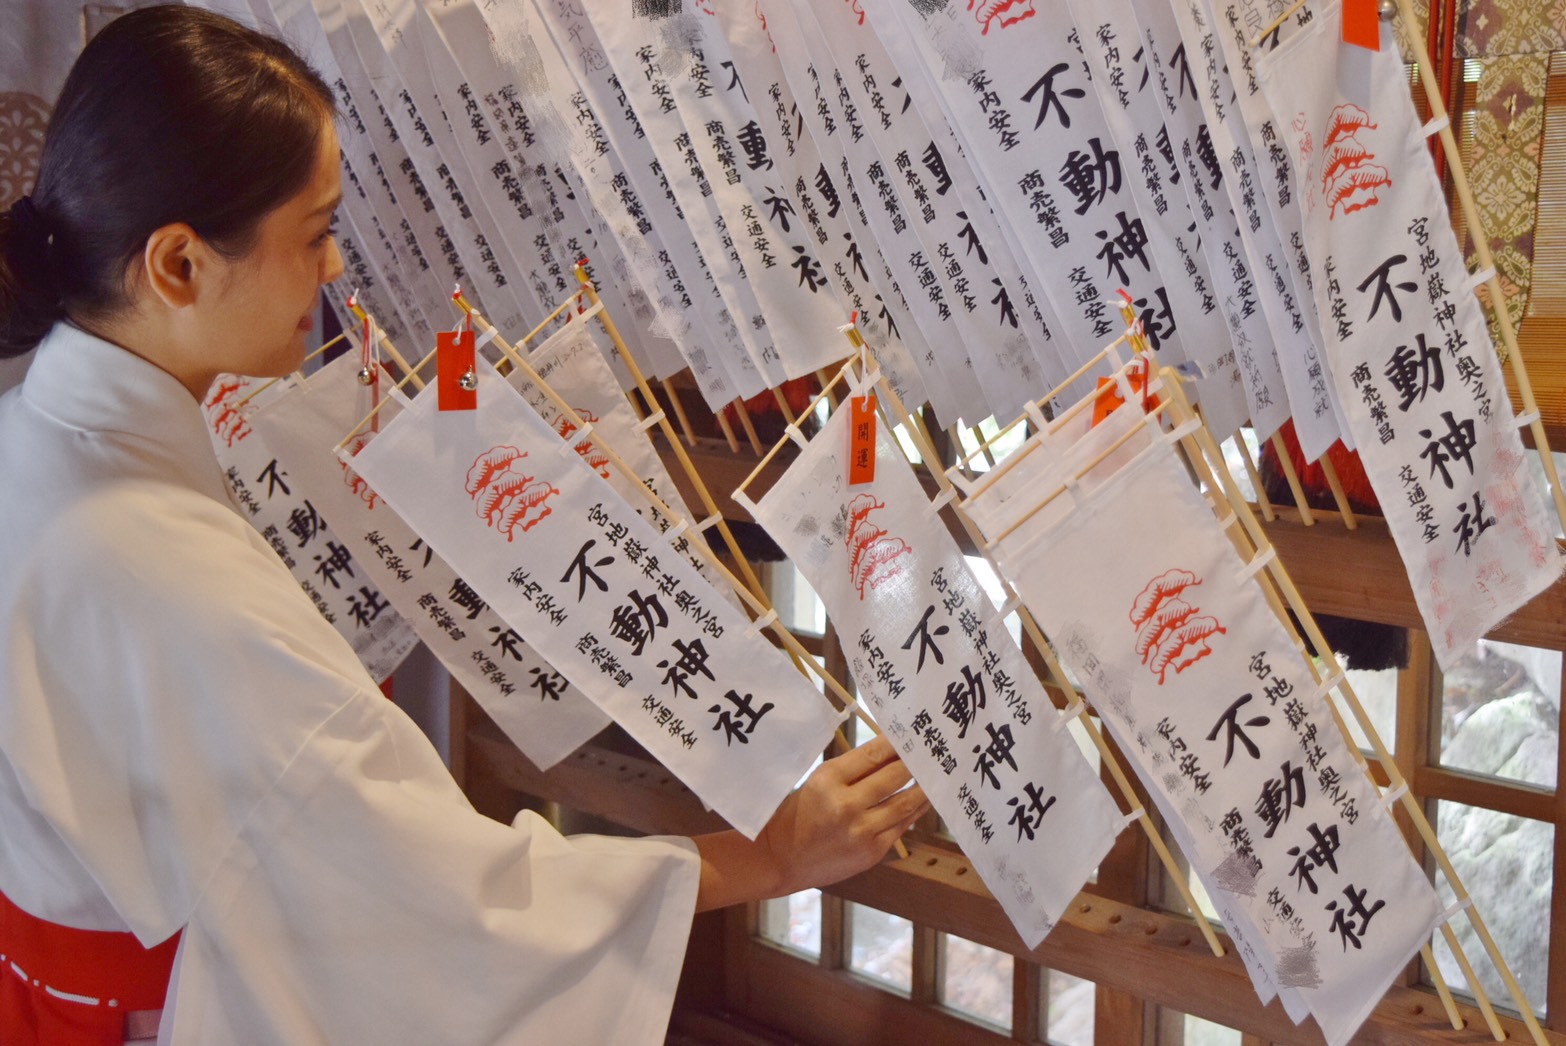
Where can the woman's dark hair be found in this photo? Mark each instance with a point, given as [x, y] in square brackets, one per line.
[170, 114]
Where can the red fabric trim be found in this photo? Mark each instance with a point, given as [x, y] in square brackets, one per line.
[101, 965]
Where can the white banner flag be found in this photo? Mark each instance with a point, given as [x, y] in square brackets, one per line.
[1021, 100]
[544, 715]
[834, 122]
[580, 79]
[576, 370]
[937, 667]
[277, 507]
[1408, 345]
[541, 108]
[1311, 399]
[1229, 150]
[889, 103]
[1183, 658]
[603, 595]
[1228, 398]
[862, 277]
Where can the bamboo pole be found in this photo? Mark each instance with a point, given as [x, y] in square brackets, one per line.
[1262, 500]
[1023, 418]
[679, 412]
[1396, 782]
[728, 431]
[1481, 237]
[779, 445]
[391, 350]
[743, 564]
[410, 376]
[258, 390]
[757, 604]
[984, 448]
[1036, 635]
[1345, 510]
[822, 379]
[1276, 22]
[709, 504]
[748, 425]
[782, 402]
[994, 475]
[1098, 460]
[1286, 463]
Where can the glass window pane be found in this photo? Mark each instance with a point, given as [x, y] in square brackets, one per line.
[1500, 713]
[881, 946]
[1377, 692]
[1505, 863]
[976, 981]
[794, 921]
[1205, 1033]
[1069, 1013]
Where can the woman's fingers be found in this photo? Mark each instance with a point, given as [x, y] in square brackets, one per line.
[857, 763]
[899, 811]
[883, 781]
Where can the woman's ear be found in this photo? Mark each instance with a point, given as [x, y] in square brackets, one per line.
[173, 263]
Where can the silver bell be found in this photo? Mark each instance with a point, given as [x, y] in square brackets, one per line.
[366, 375]
[469, 380]
[1387, 10]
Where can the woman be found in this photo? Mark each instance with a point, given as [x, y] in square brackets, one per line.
[186, 747]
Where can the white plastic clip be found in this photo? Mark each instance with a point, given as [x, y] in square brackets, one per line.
[1326, 686]
[764, 621]
[1131, 818]
[1258, 563]
[798, 437]
[1436, 126]
[650, 420]
[485, 337]
[742, 499]
[959, 480]
[1036, 415]
[1228, 521]
[708, 523]
[942, 499]
[1392, 796]
[1456, 906]
[1524, 420]
[1011, 606]
[673, 533]
[1480, 278]
[1066, 715]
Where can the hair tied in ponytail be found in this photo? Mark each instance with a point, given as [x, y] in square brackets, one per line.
[27, 222]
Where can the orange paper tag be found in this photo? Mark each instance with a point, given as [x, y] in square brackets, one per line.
[861, 440]
[454, 353]
[1109, 402]
[1362, 24]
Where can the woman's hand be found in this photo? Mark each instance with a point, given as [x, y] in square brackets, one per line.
[840, 822]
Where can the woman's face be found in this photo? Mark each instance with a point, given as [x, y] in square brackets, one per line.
[265, 299]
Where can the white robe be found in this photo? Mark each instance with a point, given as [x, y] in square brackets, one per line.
[184, 742]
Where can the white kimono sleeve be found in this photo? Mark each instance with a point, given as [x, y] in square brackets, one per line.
[199, 748]
[365, 902]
